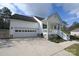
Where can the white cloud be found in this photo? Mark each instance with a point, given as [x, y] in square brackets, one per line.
[8, 5]
[71, 9]
[38, 9]
[75, 12]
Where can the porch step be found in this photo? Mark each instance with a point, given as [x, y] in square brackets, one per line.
[63, 35]
[56, 32]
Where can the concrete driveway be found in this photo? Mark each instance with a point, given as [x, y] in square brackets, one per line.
[29, 47]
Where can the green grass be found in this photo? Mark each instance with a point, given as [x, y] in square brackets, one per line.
[74, 49]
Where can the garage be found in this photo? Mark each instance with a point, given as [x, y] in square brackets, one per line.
[25, 33]
[23, 26]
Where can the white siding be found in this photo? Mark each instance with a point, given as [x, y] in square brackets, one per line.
[23, 25]
[54, 19]
[75, 33]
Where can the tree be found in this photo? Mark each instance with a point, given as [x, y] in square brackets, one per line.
[74, 26]
[5, 13]
[65, 28]
[64, 22]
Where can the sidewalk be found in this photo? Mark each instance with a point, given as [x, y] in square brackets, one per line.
[63, 53]
[65, 45]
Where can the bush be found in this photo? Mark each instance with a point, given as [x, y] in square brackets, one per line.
[55, 38]
[74, 37]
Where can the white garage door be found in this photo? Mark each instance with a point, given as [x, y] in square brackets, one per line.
[25, 33]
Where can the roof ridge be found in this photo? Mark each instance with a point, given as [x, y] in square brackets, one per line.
[23, 17]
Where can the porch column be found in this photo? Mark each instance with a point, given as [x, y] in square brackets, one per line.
[47, 31]
[58, 27]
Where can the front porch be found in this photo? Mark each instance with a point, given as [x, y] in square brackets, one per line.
[50, 29]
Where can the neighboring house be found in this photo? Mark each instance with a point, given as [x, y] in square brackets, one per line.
[75, 32]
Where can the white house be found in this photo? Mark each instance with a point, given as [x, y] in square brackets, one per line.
[52, 25]
[25, 26]
[75, 32]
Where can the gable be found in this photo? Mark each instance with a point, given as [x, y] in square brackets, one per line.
[55, 18]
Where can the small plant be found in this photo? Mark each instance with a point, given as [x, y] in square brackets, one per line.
[74, 37]
[55, 38]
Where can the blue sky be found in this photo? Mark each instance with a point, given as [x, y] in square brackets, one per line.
[68, 12]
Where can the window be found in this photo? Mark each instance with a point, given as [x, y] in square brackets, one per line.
[31, 31]
[44, 26]
[19, 30]
[22, 30]
[34, 30]
[28, 31]
[16, 30]
[25, 30]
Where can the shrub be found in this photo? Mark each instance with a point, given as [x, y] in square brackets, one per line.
[74, 37]
[55, 38]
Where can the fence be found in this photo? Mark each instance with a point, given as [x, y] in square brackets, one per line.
[4, 33]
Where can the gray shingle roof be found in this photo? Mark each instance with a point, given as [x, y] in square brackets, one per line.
[40, 18]
[25, 18]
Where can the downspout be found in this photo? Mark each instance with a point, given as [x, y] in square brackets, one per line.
[40, 23]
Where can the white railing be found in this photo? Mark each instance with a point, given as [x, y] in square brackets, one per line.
[58, 32]
[63, 35]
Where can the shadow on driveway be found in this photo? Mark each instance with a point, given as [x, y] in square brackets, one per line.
[6, 43]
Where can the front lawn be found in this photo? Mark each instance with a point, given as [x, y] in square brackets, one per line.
[74, 49]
